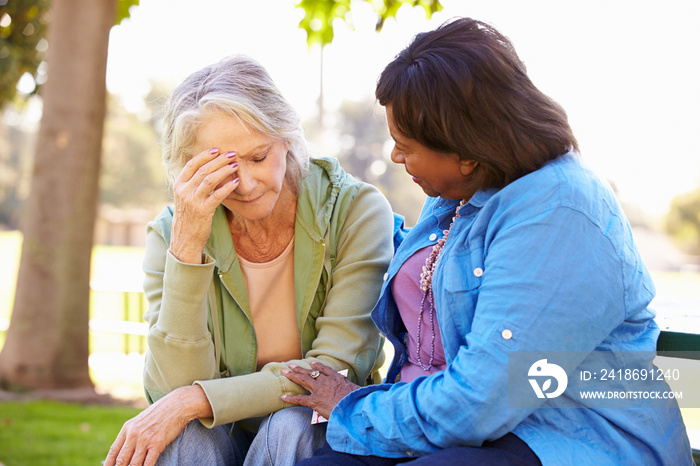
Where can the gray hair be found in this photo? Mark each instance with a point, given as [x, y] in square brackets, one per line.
[240, 87]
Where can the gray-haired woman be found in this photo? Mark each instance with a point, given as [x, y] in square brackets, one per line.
[268, 258]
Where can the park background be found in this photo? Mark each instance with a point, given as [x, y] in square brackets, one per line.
[625, 71]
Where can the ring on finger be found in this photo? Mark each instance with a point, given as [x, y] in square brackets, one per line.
[314, 374]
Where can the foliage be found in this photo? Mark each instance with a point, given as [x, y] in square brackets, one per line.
[48, 432]
[683, 221]
[319, 15]
[23, 45]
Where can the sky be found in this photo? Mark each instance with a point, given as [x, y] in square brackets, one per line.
[626, 72]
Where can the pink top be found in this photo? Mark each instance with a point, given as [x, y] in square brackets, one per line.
[408, 295]
[270, 287]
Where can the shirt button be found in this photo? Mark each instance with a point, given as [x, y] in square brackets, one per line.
[478, 272]
[507, 334]
[386, 276]
[432, 237]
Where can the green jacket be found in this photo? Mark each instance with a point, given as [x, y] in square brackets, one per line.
[200, 324]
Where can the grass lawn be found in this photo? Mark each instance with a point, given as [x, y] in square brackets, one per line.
[52, 433]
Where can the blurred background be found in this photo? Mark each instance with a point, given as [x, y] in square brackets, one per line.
[627, 72]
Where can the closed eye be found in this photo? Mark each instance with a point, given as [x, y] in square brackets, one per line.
[261, 158]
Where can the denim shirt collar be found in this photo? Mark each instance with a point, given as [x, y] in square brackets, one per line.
[477, 201]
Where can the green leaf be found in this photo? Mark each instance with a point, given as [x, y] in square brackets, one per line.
[318, 19]
[124, 10]
[320, 15]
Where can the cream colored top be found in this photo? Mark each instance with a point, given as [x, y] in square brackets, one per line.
[270, 287]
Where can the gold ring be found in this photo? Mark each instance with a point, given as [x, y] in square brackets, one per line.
[314, 374]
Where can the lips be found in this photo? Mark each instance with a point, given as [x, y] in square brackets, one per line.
[413, 177]
[250, 201]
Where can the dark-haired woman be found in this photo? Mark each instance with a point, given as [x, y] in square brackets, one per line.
[520, 277]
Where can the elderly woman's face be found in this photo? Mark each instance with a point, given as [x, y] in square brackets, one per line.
[437, 173]
[262, 164]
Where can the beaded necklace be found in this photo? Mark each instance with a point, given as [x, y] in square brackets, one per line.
[426, 285]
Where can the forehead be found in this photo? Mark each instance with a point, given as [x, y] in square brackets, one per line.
[393, 130]
[229, 133]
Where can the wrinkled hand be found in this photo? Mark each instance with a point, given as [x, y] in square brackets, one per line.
[202, 185]
[143, 438]
[325, 392]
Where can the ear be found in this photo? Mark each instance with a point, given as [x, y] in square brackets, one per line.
[467, 166]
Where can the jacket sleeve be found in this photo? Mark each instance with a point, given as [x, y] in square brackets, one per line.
[180, 348]
[553, 282]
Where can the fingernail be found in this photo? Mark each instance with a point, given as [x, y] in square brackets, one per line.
[235, 180]
[230, 154]
[285, 371]
[213, 151]
[233, 164]
[293, 366]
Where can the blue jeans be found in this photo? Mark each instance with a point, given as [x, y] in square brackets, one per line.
[284, 438]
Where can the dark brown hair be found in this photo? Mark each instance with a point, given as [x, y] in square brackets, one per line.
[463, 89]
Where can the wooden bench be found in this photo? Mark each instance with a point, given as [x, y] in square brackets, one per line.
[685, 346]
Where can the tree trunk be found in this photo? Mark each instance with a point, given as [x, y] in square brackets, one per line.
[47, 341]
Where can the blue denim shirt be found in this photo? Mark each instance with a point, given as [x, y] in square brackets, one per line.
[547, 263]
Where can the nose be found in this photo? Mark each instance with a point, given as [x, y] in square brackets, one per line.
[397, 156]
[246, 183]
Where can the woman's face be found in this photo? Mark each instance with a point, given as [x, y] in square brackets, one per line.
[437, 173]
[262, 164]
